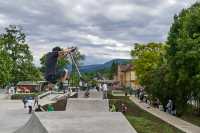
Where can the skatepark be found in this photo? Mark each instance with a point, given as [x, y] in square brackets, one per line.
[82, 115]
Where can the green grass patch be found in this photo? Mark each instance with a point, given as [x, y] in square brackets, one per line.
[141, 120]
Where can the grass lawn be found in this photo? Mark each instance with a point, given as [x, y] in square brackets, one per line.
[141, 120]
[191, 116]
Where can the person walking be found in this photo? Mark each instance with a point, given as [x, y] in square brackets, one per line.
[100, 87]
[24, 100]
[36, 101]
[30, 105]
[169, 106]
[105, 91]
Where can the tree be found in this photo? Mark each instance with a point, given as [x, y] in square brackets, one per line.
[183, 56]
[6, 66]
[13, 43]
[147, 57]
[152, 70]
[74, 77]
[43, 63]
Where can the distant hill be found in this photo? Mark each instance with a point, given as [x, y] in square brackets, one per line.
[96, 67]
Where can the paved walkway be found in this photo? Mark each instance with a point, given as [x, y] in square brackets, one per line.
[172, 120]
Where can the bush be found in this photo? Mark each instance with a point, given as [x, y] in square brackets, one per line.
[20, 96]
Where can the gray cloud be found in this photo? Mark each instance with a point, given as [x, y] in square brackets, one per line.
[102, 29]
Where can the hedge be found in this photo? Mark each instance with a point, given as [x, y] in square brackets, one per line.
[20, 96]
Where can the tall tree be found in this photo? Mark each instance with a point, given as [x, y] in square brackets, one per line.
[183, 55]
[152, 69]
[6, 66]
[147, 57]
[78, 57]
[13, 42]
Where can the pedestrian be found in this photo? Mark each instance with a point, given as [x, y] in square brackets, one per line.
[105, 91]
[30, 105]
[169, 106]
[80, 85]
[156, 103]
[173, 109]
[141, 95]
[137, 92]
[100, 87]
[123, 108]
[97, 88]
[24, 100]
[87, 93]
[36, 100]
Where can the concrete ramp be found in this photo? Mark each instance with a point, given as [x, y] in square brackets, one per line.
[69, 122]
[87, 104]
[96, 94]
[32, 126]
[93, 94]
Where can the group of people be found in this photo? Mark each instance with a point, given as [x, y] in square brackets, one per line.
[123, 108]
[30, 103]
[104, 88]
[140, 94]
[169, 108]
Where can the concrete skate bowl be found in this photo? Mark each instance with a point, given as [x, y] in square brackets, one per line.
[79, 122]
[87, 104]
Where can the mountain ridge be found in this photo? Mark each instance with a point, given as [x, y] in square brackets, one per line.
[108, 64]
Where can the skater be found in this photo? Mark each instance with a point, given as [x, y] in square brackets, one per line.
[105, 91]
[52, 75]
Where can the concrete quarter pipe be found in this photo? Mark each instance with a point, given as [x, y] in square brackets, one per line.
[87, 104]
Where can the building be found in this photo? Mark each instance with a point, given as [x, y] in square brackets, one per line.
[27, 87]
[126, 76]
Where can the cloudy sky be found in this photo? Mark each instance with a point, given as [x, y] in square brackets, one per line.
[102, 29]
